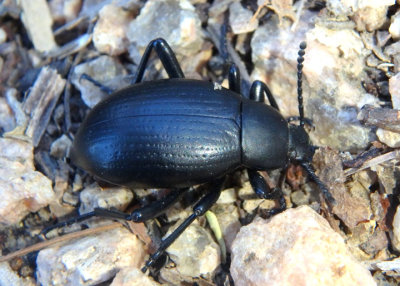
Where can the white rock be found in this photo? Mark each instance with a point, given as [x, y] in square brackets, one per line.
[239, 19]
[38, 22]
[59, 148]
[10, 277]
[133, 277]
[90, 260]
[334, 63]
[394, 28]
[195, 252]
[7, 119]
[349, 7]
[3, 36]
[103, 69]
[296, 247]
[368, 15]
[396, 230]
[110, 197]
[109, 34]
[22, 189]
[394, 89]
[65, 10]
[392, 139]
[174, 20]
[227, 196]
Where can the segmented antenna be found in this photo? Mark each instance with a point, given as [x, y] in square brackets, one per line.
[300, 61]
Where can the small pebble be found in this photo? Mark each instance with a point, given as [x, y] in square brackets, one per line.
[394, 89]
[194, 252]
[240, 19]
[109, 34]
[392, 139]
[59, 148]
[181, 26]
[94, 196]
[22, 189]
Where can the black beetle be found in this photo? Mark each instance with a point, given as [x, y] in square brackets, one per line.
[177, 132]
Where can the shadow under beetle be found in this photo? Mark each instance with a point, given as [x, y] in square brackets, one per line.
[177, 132]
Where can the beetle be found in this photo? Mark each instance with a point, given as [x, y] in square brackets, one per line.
[177, 132]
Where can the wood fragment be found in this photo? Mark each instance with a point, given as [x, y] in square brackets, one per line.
[373, 162]
[41, 101]
[385, 118]
[38, 22]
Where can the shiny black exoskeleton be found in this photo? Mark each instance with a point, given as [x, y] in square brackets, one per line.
[177, 132]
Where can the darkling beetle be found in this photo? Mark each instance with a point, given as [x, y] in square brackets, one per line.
[177, 132]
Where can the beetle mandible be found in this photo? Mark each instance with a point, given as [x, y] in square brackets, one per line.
[177, 132]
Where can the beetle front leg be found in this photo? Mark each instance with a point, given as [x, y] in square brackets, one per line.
[167, 57]
[199, 209]
[263, 191]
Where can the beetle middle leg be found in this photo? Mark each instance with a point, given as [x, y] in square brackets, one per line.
[167, 57]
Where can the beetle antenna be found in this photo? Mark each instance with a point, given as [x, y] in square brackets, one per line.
[325, 191]
[300, 61]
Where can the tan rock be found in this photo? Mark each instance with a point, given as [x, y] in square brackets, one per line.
[296, 247]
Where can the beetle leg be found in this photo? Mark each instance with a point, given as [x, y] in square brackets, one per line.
[156, 208]
[97, 212]
[234, 78]
[167, 57]
[199, 209]
[141, 214]
[325, 191]
[257, 90]
[102, 87]
[263, 191]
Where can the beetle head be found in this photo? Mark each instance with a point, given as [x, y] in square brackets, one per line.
[300, 148]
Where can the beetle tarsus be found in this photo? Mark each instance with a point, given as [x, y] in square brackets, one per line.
[263, 191]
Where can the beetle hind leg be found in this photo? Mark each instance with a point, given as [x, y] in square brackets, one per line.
[167, 57]
[152, 210]
[204, 204]
[263, 191]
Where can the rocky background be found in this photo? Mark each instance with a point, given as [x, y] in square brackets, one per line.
[351, 94]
